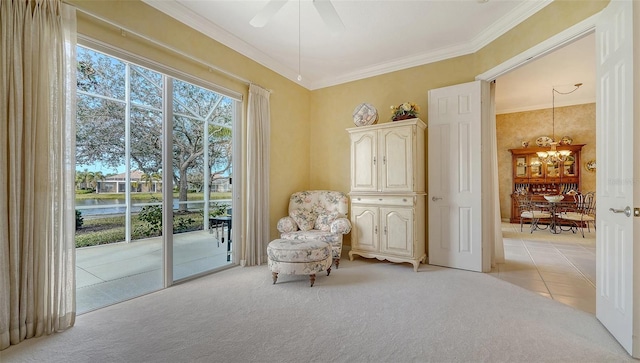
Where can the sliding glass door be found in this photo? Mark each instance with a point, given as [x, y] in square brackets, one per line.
[134, 122]
[202, 164]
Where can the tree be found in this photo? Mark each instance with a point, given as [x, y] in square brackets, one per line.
[101, 121]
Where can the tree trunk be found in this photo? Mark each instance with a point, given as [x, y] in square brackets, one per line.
[184, 187]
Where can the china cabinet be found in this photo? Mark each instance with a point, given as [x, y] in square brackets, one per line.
[388, 192]
[533, 176]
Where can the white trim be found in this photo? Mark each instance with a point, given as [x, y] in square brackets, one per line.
[167, 174]
[114, 51]
[503, 25]
[237, 230]
[582, 101]
[199, 23]
[557, 41]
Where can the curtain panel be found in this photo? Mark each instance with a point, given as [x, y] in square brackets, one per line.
[257, 201]
[37, 152]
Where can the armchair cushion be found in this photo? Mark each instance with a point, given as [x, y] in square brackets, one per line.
[341, 226]
[320, 215]
[287, 224]
[324, 220]
[304, 219]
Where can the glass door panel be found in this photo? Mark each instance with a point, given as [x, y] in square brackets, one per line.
[553, 169]
[202, 165]
[118, 244]
[536, 168]
[521, 167]
[569, 166]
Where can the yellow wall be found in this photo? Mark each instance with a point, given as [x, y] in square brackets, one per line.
[299, 161]
[289, 101]
[331, 107]
[577, 122]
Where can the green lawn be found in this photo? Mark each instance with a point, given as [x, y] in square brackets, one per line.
[99, 231]
[109, 229]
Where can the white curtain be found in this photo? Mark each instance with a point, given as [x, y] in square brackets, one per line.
[37, 152]
[498, 250]
[257, 200]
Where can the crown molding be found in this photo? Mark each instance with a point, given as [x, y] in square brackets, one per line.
[202, 25]
[199, 23]
[397, 64]
[504, 24]
[576, 102]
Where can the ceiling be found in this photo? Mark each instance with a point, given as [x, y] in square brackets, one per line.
[385, 36]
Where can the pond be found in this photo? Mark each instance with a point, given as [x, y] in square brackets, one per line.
[93, 207]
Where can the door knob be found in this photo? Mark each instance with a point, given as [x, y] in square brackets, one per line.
[435, 199]
[626, 211]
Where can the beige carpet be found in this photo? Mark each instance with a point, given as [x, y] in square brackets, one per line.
[367, 311]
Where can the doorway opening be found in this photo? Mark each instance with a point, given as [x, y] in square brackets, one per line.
[558, 266]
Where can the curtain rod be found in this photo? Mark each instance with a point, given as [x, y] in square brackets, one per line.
[156, 42]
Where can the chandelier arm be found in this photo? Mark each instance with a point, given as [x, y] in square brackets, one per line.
[553, 155]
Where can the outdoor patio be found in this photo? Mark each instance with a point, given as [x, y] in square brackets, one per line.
[115, 272]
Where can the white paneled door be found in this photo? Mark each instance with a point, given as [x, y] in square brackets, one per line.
[615, 175]
[455, 198]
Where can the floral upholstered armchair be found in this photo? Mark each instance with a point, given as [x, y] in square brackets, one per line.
[317, 215]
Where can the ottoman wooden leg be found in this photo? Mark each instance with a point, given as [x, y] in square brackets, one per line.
[275, 277]
[328, 271]
[312, 279]
[337, 262]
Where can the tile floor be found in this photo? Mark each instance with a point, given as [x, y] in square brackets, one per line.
[561, 267]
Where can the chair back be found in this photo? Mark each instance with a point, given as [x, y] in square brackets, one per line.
[523, 202]
[320, 201]
[589, 204]
[586, 203]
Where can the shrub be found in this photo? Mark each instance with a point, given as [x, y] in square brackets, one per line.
[151, 215]
[79, 219]
[217, 209]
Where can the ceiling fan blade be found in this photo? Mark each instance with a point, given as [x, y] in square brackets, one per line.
[329, 15]
[262, 18]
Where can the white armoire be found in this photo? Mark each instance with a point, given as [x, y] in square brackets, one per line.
[388, 191]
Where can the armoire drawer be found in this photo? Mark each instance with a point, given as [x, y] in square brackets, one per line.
[383, 200]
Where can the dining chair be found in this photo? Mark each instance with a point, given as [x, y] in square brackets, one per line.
[583, 214]
[529, 211]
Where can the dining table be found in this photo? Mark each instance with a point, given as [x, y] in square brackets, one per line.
[555, 208]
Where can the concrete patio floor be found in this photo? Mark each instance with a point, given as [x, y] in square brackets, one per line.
[108, 274]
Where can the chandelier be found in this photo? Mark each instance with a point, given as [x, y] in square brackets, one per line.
[553, 155]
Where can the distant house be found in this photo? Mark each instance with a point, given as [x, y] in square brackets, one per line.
[117, 184]
[220, 185]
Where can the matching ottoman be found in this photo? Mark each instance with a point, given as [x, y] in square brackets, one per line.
[299, 257]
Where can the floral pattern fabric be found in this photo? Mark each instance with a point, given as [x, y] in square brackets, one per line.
[299, 268]
[305, 219]
[330, 224]
[287, 224]
[298, 257]
[286, 250]
[341, 225]
[324, 220]
[334, 239]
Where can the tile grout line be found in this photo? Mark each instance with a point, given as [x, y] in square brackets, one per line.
[575, 267]
[537, 269]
